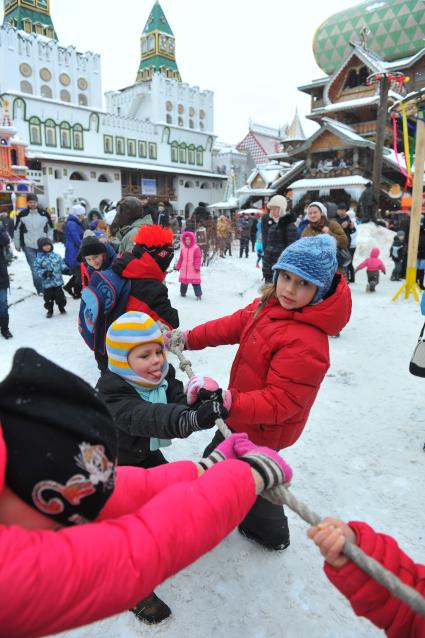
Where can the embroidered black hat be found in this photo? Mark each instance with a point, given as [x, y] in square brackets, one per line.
[60, 438]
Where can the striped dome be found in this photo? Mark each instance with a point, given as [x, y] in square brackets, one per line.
[397, 30]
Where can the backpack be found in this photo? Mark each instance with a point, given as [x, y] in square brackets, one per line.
[102, 301]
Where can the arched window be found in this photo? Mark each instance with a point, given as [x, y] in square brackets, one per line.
[191, 154]
[180, 121]
[65, 95]
[200, 156]
[50, 132]
[26, 87]
[82, 99]
[46, 91]
[35, 130]
[77, 134]
[189, 184]
[13, 157]
[76, 176]
[104, 178]
[183, 153]
[205, 185]
[65, 135]
[58, 174]
[94, 122]
[174, 152]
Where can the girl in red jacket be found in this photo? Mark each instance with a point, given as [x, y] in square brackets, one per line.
[140, 528]
[366, 596]
[282, 359]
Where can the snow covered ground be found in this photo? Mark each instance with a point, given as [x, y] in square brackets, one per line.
[360, 457]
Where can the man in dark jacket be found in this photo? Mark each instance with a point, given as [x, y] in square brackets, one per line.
[278, 231]
[344, 221]
[4, 284]
[366, 203]
[31, 224]
[244, 229]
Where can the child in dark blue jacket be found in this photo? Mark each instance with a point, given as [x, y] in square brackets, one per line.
[49, 266]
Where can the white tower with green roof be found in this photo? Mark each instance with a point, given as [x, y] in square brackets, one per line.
[31, 16]
[158, 48]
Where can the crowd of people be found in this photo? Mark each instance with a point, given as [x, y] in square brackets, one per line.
[97, 455]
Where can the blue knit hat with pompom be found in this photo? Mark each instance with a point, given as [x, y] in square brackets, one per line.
[313, 259]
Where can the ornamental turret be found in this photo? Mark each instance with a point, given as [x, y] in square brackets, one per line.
[158, 48]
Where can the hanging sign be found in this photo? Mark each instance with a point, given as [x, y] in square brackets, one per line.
[148, 186]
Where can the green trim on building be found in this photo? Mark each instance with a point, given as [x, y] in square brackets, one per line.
[19, 15]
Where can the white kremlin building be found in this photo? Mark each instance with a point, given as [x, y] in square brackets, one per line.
[154, 137]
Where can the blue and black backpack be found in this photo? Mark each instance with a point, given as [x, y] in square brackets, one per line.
[102, 301]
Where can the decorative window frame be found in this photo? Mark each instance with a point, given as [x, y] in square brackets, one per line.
[35, 126]
[153, 150]
[131, 148]
[50, 127]
[65, 127]
[78, 137]
[142, 149]
[108, 149]
[119, 145]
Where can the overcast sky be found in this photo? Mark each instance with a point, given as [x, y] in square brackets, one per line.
[252, 53]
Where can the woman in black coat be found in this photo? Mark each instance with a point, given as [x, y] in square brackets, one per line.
[278, 231]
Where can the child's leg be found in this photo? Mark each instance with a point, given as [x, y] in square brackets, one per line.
[4, 314]
[373, 279]
[60, 298]
[183, 289]
[49, 296]
[267, 525]
[197, 290]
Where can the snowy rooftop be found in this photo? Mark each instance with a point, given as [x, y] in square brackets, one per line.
[350, 104]
[329, 182]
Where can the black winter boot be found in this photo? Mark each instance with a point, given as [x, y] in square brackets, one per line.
[151, 610]
[267, 525]
[4, 328]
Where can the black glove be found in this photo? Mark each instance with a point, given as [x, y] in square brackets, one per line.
[203, 418]
[207, 395]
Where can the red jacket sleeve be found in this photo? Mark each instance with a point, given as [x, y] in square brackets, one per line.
[53, 581]
[370, 599]
[293, 381]
[220, 332]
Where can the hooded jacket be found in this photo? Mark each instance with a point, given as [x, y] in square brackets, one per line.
[189, 261]
[146, 533]
[126, 234]
[148, 292]
[49, 267]
[282, 359]
[73, 236]
[371, 600]
[372, 262]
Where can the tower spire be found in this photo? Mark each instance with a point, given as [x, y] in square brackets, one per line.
[30, 16]
[158, 47]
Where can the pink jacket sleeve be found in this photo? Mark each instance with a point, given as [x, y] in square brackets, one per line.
[370, 599]
[134, 488]
[197, 258]
[219, 332]
[179, 261]
[53, 581]
[363, 264]
[382, 266]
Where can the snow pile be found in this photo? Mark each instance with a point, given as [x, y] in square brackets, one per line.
[360, 457]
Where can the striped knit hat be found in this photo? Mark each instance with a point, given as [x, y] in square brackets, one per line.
[128, 331]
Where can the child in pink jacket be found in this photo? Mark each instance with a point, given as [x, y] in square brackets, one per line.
[142, 525]
[373, 265]
[189, 265]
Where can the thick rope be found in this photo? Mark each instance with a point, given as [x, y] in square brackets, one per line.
[282, 496]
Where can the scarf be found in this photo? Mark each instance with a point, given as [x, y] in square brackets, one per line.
[154, 395]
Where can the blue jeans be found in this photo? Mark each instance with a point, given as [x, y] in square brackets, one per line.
[4, 313]
[31, 254]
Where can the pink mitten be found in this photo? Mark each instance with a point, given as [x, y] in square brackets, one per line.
[269, 464]
[227, 448]
[223, 452]
[196, 383]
